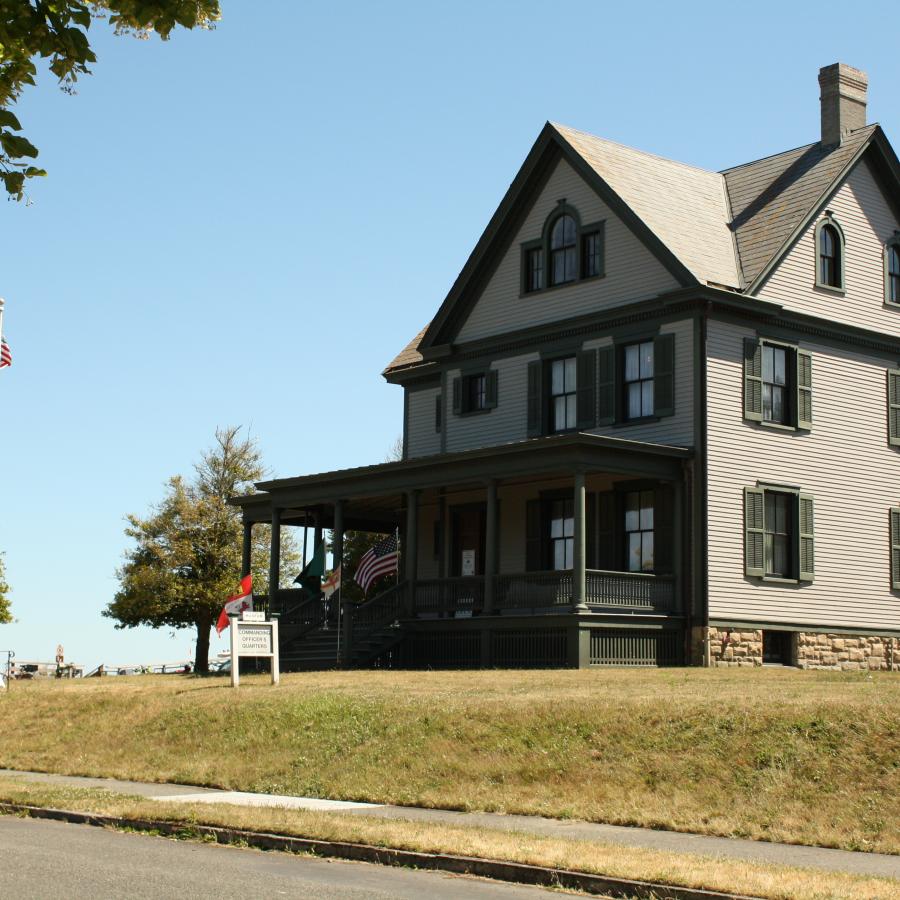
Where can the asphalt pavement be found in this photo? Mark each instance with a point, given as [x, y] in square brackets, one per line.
[41, 859]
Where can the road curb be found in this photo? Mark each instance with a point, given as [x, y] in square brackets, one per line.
[520, 873]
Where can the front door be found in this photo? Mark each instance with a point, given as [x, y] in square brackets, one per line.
[467, 539]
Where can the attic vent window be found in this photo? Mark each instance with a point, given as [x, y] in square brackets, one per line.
[829, 255]
[892, 271]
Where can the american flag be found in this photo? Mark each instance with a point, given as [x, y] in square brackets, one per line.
[5, 355]
[377, 561]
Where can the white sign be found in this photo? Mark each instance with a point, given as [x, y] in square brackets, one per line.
[248, 615]
[468, 562]
[253, 639]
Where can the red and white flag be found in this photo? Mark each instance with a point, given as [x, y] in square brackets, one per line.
[332, 582]
[5, 355]
[237, 604]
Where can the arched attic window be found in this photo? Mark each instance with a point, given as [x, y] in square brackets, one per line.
[563, 250]
[829, 254]
[892, 270]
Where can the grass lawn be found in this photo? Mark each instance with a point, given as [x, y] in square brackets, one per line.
[688, 870]
[804, 757]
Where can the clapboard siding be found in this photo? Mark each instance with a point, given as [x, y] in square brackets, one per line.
[844, 461]
[867, 222]
[422, 439]
[632, 272]
[677, 429]
[507, 422]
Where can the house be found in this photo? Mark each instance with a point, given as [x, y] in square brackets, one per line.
[655, 421]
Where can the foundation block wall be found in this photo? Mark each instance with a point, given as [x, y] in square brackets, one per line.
[809, 650]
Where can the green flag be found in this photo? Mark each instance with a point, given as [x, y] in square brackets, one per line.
[310, 579]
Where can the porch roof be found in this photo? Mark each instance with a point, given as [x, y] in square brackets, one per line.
[552, 454]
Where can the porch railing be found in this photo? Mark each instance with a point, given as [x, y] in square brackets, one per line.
[630, 590]
[449, 597]
[379, 612]
[534, 590]
[300, 612]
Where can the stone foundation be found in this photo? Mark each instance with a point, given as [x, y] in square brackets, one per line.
[809, 650]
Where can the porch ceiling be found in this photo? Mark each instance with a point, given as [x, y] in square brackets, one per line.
[375, 491]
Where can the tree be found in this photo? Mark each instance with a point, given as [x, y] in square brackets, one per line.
[5, 612]
[187, 555]
[57, 30]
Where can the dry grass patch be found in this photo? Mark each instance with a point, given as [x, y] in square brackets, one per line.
[687, 870]
[805, 757]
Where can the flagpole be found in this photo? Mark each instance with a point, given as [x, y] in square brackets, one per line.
[397, 540]
[340, 613]
[2, 304]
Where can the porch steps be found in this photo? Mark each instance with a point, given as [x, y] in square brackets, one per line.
[318, 650]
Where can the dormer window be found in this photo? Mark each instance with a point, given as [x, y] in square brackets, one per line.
[892, 271]
[563, 251]
[830, 255]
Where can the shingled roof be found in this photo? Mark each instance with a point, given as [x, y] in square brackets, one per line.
[726, 227]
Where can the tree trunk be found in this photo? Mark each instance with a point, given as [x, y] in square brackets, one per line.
[201, 659]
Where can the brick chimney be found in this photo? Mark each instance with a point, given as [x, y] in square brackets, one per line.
[843, 97]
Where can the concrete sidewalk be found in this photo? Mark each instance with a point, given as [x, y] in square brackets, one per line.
[670, 841]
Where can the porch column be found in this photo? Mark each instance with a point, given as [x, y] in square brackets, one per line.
[337, 546]
[678, 525]
[275, 560]
[317, 531]
[490, 547]
[246, 546]
[579, 576]
[411, 550]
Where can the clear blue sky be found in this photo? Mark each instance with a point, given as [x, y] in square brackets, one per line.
[245, 225]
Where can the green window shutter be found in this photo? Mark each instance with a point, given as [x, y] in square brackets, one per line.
[534, 544]
[585, 388]
[438, 412]
[664, 375]
[806, 539]
[606, 386]
[754, 532]
[753, 379]
[490, 388]
[804, 389]
[893, 388]
[535, 398]
[457, 396]
[895, 547]
[663, 528]
[607, 538]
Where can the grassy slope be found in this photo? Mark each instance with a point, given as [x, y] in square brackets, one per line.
[778, 754]
[691, 870]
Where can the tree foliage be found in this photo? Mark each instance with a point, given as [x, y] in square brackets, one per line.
[186, 558]
[5, 611]
[57, 31]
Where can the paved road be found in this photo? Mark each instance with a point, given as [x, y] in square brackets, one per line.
[671, 841]
[41, 859]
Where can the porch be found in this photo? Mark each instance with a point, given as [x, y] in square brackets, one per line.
[511, 555]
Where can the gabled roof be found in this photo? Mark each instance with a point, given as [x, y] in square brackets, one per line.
[726, 229]
[771, 197]
[685, 207]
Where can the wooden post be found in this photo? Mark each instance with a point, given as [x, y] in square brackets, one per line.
[490, 547]
[235, 657]
[678, 525]
[246, 548]
[579, 573]
[337, 550]
[275, 560]
[276, 658]
[410, 549]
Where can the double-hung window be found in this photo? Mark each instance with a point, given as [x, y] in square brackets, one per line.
[476, 394]
[563, 406]
[778, 534]
[639, 531]
[534, 269]
[638, 380]
[592, 254]
[774, 384]
[562, 533]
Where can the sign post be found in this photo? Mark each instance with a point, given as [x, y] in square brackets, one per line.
[253, 635]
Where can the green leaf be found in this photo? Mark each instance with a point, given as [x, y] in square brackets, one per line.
[16, 146]
[8, 120]
[32, 172]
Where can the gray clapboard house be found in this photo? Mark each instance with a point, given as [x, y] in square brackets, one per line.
[655, 421]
